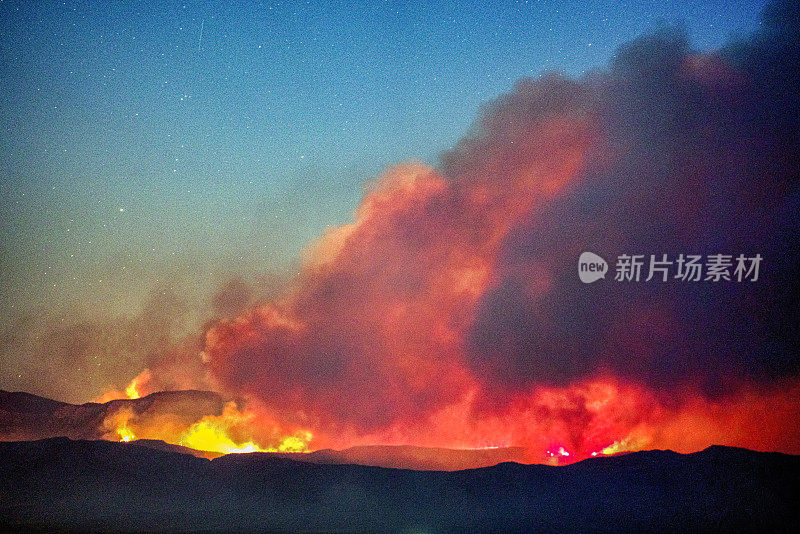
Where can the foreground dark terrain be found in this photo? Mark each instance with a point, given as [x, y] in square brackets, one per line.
[64, 485]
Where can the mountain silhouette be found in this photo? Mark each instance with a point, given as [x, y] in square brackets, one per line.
[64, 485]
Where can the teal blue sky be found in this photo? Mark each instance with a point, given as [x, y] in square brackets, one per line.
[149, 146]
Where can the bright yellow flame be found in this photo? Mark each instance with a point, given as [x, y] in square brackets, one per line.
[614, 448]
[116, 426]
[630, 443]
[229, 432]
[212, 434]
[125, 433]
[205, 435]
[131, 391]
[294, 443]
[135, 390]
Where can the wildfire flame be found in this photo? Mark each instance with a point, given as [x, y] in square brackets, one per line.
[134, 389]
[125, 433]
[612, 417]
[213, 434]
[628, 444]
[118, 426]
[230, 432]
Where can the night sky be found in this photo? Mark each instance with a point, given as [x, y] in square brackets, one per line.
[153, 152]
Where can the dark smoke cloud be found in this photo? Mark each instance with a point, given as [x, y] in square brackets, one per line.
[699, 156]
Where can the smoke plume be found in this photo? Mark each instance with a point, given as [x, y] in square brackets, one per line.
[449, 311]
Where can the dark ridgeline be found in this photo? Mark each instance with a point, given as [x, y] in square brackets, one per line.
[59, 484]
